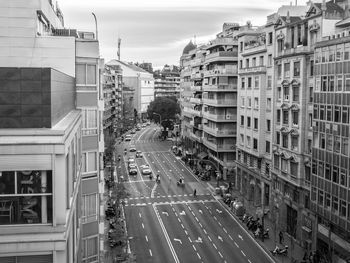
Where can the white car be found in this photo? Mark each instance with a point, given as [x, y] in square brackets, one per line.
[145, 169]
[132, 166]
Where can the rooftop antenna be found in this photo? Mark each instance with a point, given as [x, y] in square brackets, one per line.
[96, 26]
[118, 52]
[194, 39]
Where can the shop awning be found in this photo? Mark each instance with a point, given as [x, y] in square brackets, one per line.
[202, 155]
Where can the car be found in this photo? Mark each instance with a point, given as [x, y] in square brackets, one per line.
[144, 125]
[132, 166]
[132, 149]
[138, 128]
[139, 154]
[133, 132]
[146, 170]
[131, 160]
[133, 171]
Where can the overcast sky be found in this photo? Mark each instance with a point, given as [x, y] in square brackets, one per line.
[156, 31]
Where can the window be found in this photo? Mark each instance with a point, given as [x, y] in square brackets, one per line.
[296, 69]
[286, 93]
[285, 117]
[86, 74]
[269, 60]
[255, 144]
[242, 139]
[295, 94]
[342, 211]
[278, 116]
[249, 82]
[254, 62]
[90, 250]
[331, 83]
[347, 82]
[345, 146]
[26, 197]
[342, 177]
[276, 161]
[286, 70]
[256, 125]
[345, 116]
[269, 38]
[336, 145]
[311, 94]
[89, 162]
[256, 82]
[248, 141]
[242, 101]
[268, 104]
[261, 61]
[279, 71]
[278, 140]
[247, 63]
[335, 204]
[294, 141]
[284, 165]
[295, 115]
[285, 140]
[320, 197]
[89, 207]
[269, 82]
[268, 125]
[328, 200]
[242, 83]
[311, 68]
[89, 117]
[267, 147]
[248, 122]
[242, 120]
[329, 142]
[249, 102]
[294, 169]
[279, 93]
[339, 82]
[256, 103]
[240, 64]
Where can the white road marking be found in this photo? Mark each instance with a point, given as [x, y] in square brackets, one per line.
[190, 239]
[225, 230]
[205, 231]
[165, 213]
[239, 236]
[220, 255]
[194, 248]
[198, 256]
[178, 240]
[150, 252]
[146, 238]
[186, 232]
[140, 215]
[182, 226]
[236, 245]
[220, 238]
[143, 226]
[243, 253]
[214, 246]
[230, 237]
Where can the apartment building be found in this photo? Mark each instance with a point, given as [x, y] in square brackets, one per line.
[51, 137]
[167, 82]
[141, 81]
[330, 180]
[255, 115]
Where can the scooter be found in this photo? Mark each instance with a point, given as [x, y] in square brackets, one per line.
[280, 251]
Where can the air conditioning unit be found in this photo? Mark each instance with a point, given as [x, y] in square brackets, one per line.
[228, 117]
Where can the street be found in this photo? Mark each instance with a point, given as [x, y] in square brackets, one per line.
[166, 222]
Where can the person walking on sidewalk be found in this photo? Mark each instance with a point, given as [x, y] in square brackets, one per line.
[195, 193]
[281, 237]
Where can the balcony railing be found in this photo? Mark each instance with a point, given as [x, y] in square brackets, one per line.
[196, 88]
[292, 51]
[221, 102]
[220, 71]
[196, 75]
[196, 100]
[195, 136]
[218, 147]
[221, 55]
[196, 62]
[215, 117]
[220, 87]
[217, 132]
[222, 41]
[195, 112]
[252, 70]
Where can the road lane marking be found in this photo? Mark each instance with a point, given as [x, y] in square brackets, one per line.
[214, 246]
[243, 253]
[230, 237]
[150, 252]
[220, 238]
[236, 245]
[200, 225]
[190, 239]
[240, 237]
[182, 226]
[194, 248]
[146, 238]
[220, 254]
[178, 219]
[186, 233]
[225, 230]
[198, 256]
[140, 215]
[178, 240]
[143, 226]
[205, 231]
[209, 238]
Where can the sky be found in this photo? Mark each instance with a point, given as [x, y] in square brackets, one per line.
[156, 31]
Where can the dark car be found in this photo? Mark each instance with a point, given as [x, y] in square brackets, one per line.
[132, 149]
[133, 171]
[139, 154]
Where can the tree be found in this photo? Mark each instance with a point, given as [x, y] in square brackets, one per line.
[166, 107]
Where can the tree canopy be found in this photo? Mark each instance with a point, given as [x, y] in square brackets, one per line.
[166, 107]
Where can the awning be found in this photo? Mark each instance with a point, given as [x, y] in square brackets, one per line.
[202, 155]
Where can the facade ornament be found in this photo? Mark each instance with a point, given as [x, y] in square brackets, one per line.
[314, 27]
[280, 35]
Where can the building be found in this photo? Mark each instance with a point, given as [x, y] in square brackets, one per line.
[255, 115]
[51, 137]
[167, 82]
[141, 81]
[330, 180]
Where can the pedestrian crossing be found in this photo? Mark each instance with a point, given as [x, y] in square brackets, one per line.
[171, 202]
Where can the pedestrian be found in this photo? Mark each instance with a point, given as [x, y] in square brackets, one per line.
[195, 193]
[281, 237]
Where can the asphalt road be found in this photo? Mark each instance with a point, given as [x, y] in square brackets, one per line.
[166, 223]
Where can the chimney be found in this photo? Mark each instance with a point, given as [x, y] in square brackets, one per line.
[296, 2]
[288, 18]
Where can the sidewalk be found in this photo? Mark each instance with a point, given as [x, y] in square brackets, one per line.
[295, 252]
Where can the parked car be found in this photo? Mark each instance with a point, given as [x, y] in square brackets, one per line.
[133, 171]
[146, 170]
[132, 149]
[139, 154]
[132, 166]
[131, 160]
[133, 132]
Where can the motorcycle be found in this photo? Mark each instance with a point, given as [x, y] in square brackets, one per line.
[259, 233]
[280, 251]
[158, 180]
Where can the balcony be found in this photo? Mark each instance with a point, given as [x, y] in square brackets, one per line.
[260, 69]
[220, 102]
[186, 84]
[221, 71]
[221, 56]
[196, 100]
[254, 48]
[199, 126]
[196, 136]
[219, 133]
[196, 75]
[219, 147]
[219, 118]
[195, 112]
[186, 72]
[222, 41]
[196, 88]
[196, 62]
[220, 87]
[293, 51]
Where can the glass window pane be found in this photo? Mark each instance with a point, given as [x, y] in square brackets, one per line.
[80, 74]
[92, 166]
[91, 74]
